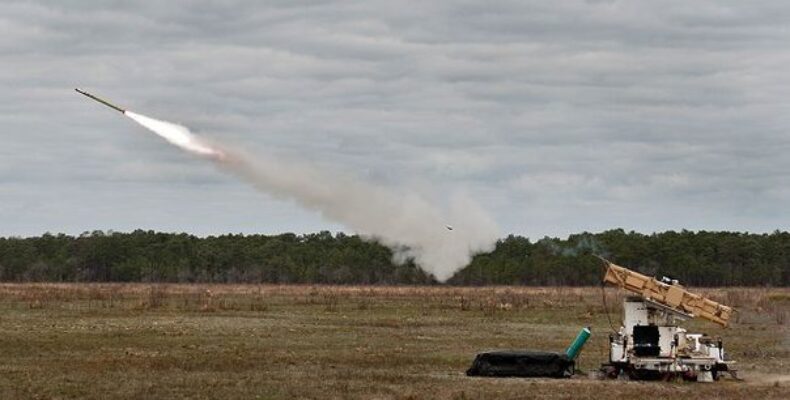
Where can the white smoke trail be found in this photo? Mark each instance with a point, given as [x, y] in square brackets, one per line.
[176, 134]
[403, 221]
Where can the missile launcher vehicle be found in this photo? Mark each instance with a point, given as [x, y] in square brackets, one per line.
[651, 345]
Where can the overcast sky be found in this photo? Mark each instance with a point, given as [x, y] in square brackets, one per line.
[557, 117]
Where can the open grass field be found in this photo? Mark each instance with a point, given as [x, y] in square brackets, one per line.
[235, 341]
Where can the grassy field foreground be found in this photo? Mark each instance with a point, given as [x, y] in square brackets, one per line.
[246, 341]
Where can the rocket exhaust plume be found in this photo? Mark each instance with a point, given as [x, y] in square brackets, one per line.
[403, 221]
[177, 135]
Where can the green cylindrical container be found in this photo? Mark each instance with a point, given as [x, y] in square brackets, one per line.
[576, 347]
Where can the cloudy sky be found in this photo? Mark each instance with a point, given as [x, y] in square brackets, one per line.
[557, 117]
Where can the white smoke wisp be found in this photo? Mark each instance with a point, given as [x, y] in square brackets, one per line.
[403, 221]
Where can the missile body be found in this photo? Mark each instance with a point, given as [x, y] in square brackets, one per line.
[105, 102]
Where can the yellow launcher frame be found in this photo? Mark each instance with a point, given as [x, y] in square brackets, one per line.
[672, 296]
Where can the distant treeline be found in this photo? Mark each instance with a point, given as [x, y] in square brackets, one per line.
[696, 258]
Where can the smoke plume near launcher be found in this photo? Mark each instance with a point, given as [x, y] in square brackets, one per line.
[404, 221]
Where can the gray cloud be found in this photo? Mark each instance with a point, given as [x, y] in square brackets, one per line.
[558, 117]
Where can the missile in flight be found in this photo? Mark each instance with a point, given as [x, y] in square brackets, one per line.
[105, 102]
[175, 134]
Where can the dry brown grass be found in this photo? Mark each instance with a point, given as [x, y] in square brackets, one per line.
[270, 341]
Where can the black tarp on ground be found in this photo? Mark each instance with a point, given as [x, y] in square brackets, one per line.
[522, 363]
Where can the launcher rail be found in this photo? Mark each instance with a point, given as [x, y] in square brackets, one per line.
[673, 296]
